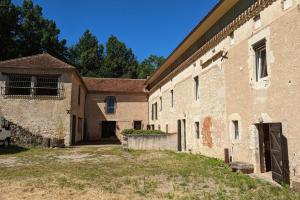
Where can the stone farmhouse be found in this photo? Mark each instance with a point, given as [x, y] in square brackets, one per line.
[230, 90]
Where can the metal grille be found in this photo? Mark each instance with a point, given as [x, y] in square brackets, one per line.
[27, 85]
[18, 85]
[46, 86]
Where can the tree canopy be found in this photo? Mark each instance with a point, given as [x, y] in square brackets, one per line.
[25, 32]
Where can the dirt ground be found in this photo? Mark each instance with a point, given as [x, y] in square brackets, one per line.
[109, 172]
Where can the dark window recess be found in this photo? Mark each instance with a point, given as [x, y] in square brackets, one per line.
[236, 129]
[161, 106]
[197, 130]
[18, 85]
[167, 128]
[196, 82]
[46, 86]
[137, 125]
[110, 104]
[152, 112]
[172, 98]
[79, 95]
[155, 108]
[152, 127]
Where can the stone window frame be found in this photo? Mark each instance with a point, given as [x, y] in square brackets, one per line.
[197, 129]
[196, 81]
[172, 98]
[106, 105]
[258, 49]
[235, 117]
[260, 36]
[139, 121]
[257, 22]
[287, 4]
[161, 103]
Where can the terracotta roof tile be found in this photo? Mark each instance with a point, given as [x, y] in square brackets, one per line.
[115, 85]
[40, 61]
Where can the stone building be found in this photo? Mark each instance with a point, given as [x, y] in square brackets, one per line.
[113, 105]
[230, 89]
[43, 96]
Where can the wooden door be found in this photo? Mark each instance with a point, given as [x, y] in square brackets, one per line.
[179, 135]
[279, 156]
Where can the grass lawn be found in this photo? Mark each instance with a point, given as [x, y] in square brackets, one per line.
[108, 172]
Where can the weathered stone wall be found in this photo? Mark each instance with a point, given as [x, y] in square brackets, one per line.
[47, 117]
[229, 91]
[274, 100]
[152, 142]
[208, 110]
[77, 107]
[129, 107]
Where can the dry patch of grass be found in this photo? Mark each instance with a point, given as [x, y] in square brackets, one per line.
[108, 172]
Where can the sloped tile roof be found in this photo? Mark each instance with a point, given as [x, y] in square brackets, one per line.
[115, 85]
[40, 61]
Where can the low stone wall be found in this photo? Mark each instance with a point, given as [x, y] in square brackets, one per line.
[151, 142]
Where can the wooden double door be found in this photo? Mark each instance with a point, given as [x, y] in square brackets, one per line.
[274, 151]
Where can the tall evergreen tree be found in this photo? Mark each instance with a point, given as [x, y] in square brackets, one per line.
[9, 27]
[87, 55]
[120, 61]
[26, 32]
[147, 67]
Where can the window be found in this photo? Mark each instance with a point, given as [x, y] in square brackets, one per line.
[46, 86]
[257, 22]
[152, 112]
[110, 104]
[287, 4]
[197, 130]
[18, 85]
[152, 127]
[236, 129]
[155, 111]
[28, 85]
[172, 98]
[167, 128]
[148, 127]
[261, 68]
[137, 125]
[79, 95]
[231, 38]
[160, 99]
[159, 127]
[196, 87]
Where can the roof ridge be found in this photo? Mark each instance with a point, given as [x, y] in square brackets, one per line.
[23, 58]
[37, 56]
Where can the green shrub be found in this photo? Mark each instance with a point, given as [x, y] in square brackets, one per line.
[142, 132]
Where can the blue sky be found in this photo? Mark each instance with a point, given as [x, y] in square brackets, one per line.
[146, 26]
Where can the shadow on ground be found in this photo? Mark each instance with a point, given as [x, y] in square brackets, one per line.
[12, 150]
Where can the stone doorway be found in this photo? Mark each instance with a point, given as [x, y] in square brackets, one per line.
[108, 135]
[273, 152]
